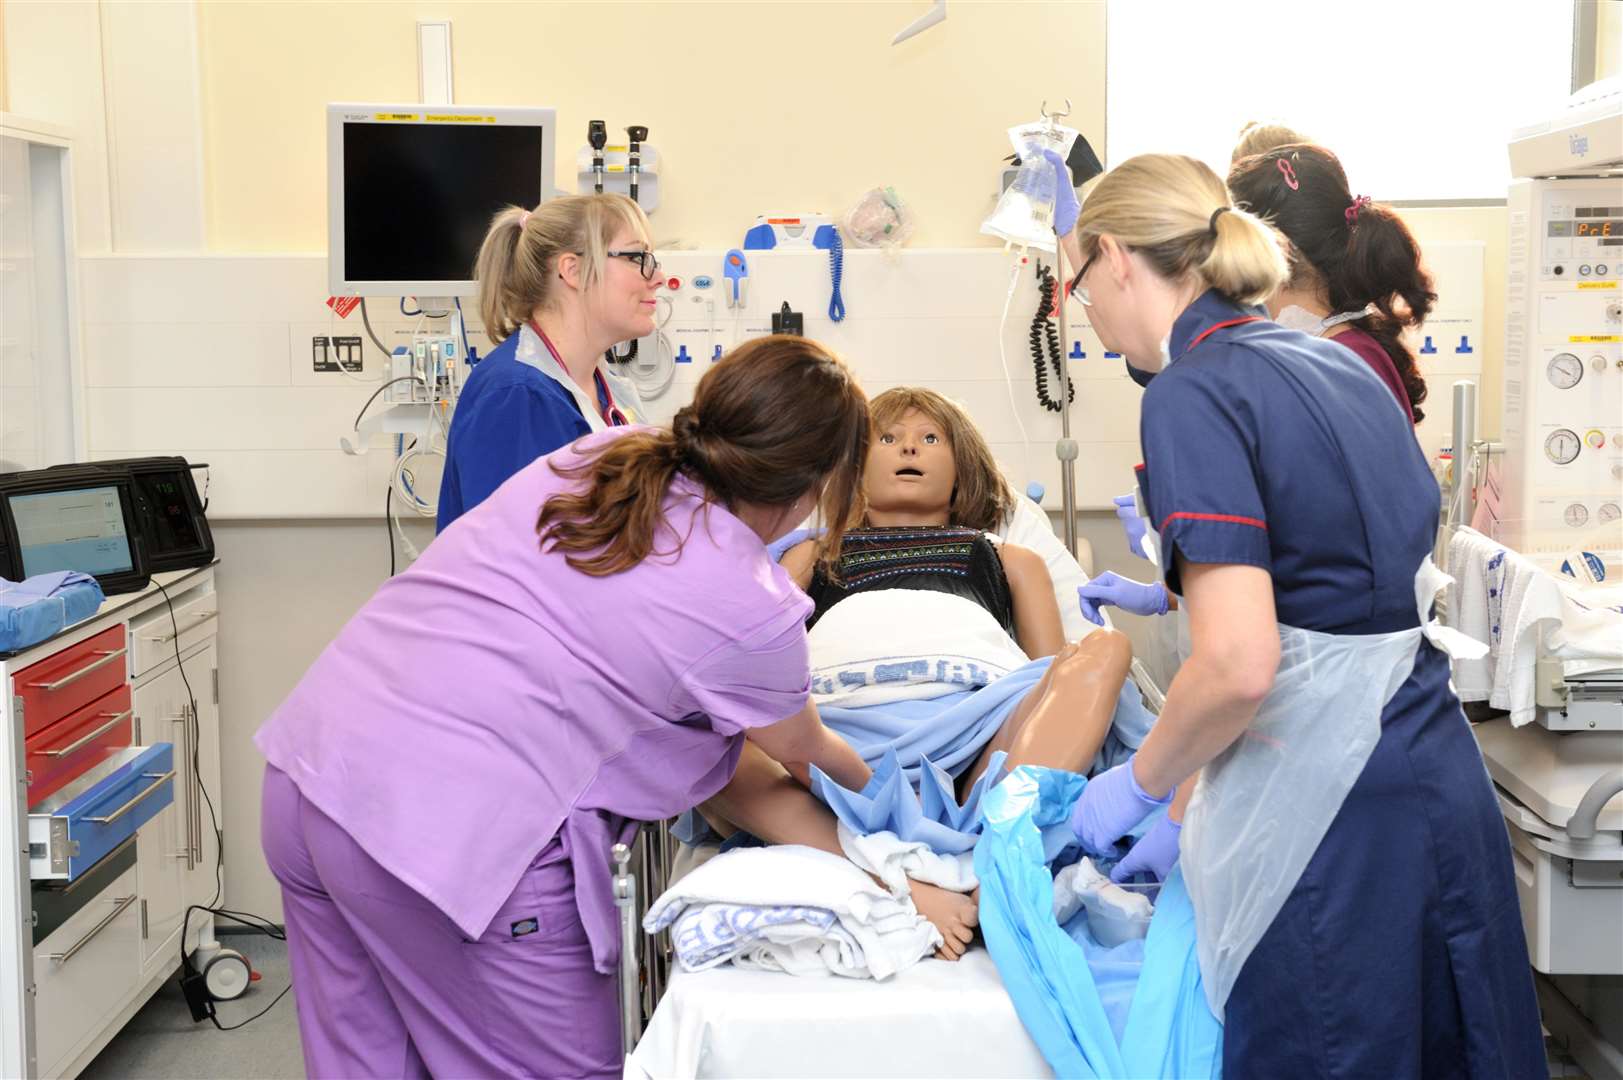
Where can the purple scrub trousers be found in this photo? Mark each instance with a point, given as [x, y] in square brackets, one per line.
[387, 985]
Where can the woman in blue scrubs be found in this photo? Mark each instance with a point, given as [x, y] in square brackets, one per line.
[558, 287]
[1354, 894]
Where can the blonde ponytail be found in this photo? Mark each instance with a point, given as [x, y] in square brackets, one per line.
[1175, 212]
[1244, 262]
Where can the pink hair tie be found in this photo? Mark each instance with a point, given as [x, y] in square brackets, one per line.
[1351, 213]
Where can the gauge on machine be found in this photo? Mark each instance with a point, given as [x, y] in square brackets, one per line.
[1565, 370]
[1577, 515]
[1562, 446]
[1609, 512]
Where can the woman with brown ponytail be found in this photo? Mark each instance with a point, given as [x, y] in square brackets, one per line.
[592, 646]
[1355, 272]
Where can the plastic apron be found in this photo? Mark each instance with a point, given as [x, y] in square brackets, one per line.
[533, 351]
[1261, 808]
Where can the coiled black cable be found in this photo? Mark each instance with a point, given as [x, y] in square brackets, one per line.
[1043, 331]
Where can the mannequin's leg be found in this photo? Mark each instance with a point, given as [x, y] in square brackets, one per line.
[1063, 720]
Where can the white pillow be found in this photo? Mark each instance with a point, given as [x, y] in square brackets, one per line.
[1028, 527]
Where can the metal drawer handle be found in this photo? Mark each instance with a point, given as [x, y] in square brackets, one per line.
[185, 721]
[120, 903]
[80, 744]
[107, 657]
[158, 781]
[197, 620]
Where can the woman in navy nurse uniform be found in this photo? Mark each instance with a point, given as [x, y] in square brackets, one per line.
[1356, 913]
[558, 287]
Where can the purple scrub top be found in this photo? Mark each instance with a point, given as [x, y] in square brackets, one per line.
[491, 696]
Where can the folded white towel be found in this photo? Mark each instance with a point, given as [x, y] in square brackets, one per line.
[1115, 914]
[893, 860]
[868, 933]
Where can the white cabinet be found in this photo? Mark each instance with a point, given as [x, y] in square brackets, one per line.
[179, 849]
[82, 973]
[102, 945]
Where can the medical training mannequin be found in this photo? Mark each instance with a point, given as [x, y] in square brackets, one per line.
[589, 648]
[558, 287]
[929, 467]
[1351, 879]
[1355, 271]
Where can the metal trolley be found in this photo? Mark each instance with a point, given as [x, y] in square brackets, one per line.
[645, 959]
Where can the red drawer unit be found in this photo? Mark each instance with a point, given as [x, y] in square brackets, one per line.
[64, 683]
[64, 751]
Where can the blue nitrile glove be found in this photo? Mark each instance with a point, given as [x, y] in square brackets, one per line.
[1155, 853]
[1113, 590]
[776, 548]
[1111, 804]
[1132, 523]
[1066, 206]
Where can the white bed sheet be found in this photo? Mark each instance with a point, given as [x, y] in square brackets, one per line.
[936, 1019]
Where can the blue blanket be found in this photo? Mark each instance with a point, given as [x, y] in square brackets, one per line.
[41, 606]
[1065, 992]
[918, 748]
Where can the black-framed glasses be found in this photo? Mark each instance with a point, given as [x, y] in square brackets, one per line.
[1079, 290]
[645, 260]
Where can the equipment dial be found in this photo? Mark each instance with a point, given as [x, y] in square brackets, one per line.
[1609, 512]
[1562, 446]
[1565, 370]
[1577, 515]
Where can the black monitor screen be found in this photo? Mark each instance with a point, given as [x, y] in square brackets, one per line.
[418, 198]
[172, 521]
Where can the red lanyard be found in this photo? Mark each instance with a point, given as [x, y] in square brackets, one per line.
[607, 409]
[1215, 327]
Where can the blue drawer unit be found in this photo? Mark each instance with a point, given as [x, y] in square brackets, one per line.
[73, 829]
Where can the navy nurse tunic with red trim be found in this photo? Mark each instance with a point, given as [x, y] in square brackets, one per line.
[1400, 953]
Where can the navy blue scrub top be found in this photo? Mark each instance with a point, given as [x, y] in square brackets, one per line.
[509, 414]
[1267, 447]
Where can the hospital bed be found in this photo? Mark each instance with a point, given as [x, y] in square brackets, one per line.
[935, 1019]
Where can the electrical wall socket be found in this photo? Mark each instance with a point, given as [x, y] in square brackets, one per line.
[336, 354]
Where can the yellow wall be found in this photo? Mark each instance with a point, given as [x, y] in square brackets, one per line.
[1608, 38]
[757, 107]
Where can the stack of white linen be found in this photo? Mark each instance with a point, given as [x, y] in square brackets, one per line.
[794, 909]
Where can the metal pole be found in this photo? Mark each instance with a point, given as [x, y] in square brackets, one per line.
[625, 898]
[1065, 449]
[1461, 503]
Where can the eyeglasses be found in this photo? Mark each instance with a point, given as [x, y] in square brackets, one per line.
[646, 263]
[1079, 290]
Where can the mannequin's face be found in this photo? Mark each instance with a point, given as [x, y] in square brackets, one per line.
[910, 467]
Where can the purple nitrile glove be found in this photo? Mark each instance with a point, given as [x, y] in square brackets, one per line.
[1111, 804]
[1067, 208]
[1110, 589]
[1132, 523]
[776, 548]
[1155, 853]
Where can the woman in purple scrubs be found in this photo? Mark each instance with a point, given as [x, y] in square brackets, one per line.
[588, 648]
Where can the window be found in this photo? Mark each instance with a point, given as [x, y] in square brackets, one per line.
[1417, 97]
